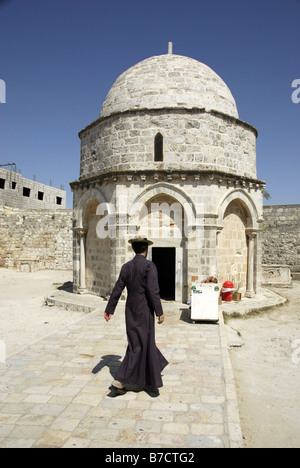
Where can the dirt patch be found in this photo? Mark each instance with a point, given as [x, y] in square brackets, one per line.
[24, 317]
[267, 373]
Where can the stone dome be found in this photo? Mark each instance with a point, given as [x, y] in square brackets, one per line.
[169, 81]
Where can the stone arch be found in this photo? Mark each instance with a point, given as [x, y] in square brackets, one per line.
[94, 253]
[232, 250]
[237, 241]
[165, 189]
[177, 213]
[91, 194]
[162, 217]
[246, 201]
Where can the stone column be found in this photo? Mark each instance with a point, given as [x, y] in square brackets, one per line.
[82, 232]
[250, 292]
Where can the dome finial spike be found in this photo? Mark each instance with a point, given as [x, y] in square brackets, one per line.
[170, 48]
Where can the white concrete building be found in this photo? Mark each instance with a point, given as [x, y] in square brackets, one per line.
[168, 157]
[21, 193]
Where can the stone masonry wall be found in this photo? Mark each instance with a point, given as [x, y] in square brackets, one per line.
[281, 236]
[194, 140]
[36, 239]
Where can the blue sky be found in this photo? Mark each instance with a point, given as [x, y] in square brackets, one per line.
[59, 59]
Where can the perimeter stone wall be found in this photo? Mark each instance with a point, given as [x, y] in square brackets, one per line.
[32, 240]
[281, 236]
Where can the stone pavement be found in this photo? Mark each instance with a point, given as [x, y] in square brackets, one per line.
[55, 392]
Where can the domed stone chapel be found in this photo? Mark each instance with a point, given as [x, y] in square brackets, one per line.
[168, 158]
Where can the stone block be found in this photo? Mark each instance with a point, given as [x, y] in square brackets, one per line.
[276, 275]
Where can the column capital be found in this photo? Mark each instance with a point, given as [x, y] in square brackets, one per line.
[251, 233]
[81, 231]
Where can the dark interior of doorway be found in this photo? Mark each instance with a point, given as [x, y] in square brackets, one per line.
[164, 259]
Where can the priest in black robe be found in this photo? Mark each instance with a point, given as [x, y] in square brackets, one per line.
[143, 362]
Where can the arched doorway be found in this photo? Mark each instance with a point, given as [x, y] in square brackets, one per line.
[232, 246]
[97, 253]
[167, 215]
[162, 220]
[92, 262]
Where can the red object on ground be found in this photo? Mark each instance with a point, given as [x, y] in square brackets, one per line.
[227, 291]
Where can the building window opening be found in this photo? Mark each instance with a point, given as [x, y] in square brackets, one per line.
[41, 196]
[14, 185]
[58, 200]
[158, 148]
[2, 184]
[26, 192]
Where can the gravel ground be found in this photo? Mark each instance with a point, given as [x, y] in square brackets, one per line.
[267, 374]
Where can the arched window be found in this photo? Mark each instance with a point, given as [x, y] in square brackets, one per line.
[158, 148]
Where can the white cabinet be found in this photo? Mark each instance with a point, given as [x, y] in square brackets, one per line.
[205, 302]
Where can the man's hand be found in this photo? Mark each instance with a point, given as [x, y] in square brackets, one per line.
[107, 316]
[161, 319]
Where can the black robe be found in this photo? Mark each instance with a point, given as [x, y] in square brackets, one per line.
[143, 362]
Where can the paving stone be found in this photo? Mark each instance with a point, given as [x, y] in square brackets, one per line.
[78, 442]
[53, 438]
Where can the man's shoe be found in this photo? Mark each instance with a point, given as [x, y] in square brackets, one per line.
[118, 387]
[152, 391]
